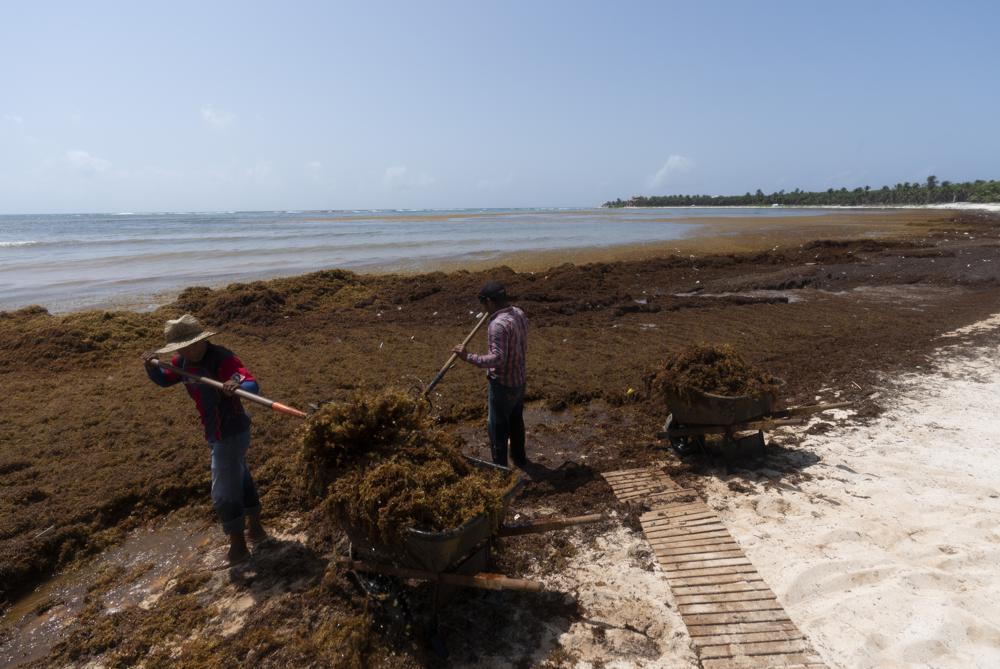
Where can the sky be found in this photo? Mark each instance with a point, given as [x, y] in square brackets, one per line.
[215, 106]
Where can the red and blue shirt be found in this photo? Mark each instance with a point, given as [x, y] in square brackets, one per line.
[220, 415]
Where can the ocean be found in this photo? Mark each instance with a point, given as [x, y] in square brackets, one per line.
[66, 262]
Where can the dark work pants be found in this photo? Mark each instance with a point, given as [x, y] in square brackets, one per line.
[506, 423]
[234, 494]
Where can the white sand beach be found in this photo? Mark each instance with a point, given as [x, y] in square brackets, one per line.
[889, 556]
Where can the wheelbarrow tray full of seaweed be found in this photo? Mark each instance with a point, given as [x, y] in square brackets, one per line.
[711, 390]
[452, 558]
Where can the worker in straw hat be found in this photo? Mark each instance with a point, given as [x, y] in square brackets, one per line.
[227, 425]
[505, 364]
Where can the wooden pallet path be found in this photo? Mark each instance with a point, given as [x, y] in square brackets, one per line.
[734, 619]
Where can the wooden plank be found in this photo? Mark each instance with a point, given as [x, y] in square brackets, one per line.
[702, 518]
[698, 631]
[643, 491]
[720, 588]
[730, 607]
[669, 561]
[747, 637]
[745, 596]
[678, 568]
[680, 493]
[677, 530]
[639, 482]
[665, 514]
[677, 544]
[666, 550]
[632, 472]
[782, 646]
[771, 615]
[686, 515]
[759, 661]
[681, 535]
[653, 482]
[697, 576]
[635, 494]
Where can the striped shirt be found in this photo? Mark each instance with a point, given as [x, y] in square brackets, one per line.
[508, 345]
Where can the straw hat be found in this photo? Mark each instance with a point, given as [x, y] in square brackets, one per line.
[183, 331]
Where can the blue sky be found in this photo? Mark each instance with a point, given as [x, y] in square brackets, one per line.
[216, 105]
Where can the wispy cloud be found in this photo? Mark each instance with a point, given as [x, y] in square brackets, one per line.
[676, 164]
[217, 118]
[83, 162]
[399, 177]
[13, 118]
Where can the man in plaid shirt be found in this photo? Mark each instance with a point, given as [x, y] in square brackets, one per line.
[505, 365]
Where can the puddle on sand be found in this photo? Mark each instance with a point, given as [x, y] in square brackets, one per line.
[147, 561]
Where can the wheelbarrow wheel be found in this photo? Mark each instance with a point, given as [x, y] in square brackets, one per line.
[682, 444]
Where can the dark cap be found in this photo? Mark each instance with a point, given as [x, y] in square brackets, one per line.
[494, 290]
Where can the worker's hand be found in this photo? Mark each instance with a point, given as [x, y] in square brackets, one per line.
[460, 352]
[147, 360]
[230, 387]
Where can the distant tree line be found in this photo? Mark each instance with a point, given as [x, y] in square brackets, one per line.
[930, 192]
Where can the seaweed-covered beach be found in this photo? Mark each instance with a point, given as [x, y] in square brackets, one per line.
[92, 455]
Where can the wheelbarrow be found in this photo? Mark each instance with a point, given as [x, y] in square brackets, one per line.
[695, 415]
[450, 559]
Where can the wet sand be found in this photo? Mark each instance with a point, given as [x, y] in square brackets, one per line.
[90, 450]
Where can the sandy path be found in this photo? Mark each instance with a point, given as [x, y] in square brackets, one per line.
[890, 556]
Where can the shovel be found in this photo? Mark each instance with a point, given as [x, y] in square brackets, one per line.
[277, 406]
[454, 356]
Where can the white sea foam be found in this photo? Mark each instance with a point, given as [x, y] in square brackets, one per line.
[28, 242]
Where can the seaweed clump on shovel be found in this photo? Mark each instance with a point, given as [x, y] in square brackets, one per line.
[714, 369]
[379, 463]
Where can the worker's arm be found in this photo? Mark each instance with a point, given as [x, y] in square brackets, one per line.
[498, 341]
[158, 375]
[235, 376]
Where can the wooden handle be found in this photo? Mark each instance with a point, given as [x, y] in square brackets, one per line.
[277, 406]
[546, 524]
[454, 356]
[483, 580]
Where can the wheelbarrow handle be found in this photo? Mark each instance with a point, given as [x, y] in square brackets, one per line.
[483, 580]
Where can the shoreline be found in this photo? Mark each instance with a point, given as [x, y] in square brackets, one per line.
[708, 236]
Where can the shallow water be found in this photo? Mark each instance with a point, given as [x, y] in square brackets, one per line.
[76, 261]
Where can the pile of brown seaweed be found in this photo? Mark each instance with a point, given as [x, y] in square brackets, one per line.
[715, 369]
[379, 463]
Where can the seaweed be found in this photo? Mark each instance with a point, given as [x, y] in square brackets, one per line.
[708, 368]
[378, 462]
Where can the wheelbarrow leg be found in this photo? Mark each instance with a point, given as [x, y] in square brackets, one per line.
[434, 638]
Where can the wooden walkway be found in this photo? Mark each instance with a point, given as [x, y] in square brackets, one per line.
[734, 619]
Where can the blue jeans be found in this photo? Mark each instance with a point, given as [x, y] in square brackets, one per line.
[506, 423]
[233, 492]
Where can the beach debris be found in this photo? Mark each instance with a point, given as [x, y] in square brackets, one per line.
[715, 369]
[378, 462]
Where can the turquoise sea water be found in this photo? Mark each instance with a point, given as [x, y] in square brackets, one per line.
[75, 261]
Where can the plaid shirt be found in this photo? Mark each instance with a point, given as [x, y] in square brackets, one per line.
[508, 342]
